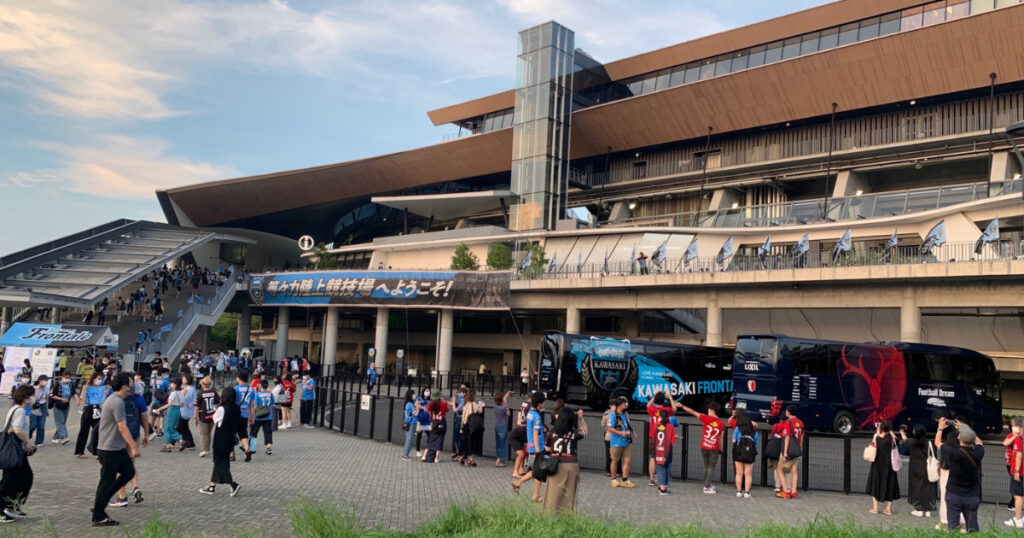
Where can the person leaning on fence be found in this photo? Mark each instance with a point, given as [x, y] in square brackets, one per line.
[563, 485]
[921, 492]
[963, 491]
[1015, 467]
[712, 429]
[883, 483]
[662, 401]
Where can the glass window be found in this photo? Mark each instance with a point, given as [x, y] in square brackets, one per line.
[791, 48]
[934, 12]
[848, 33]
[756, 56]
[773, 53]
[1006, 3]
[662, 81]
[956, 9]
[692, 73]
[889, 24]
[809, 43]
[634, 86]
[677, 77]
[911, 18]
[488, 123]
[707, 69]
[981, 6]
[739, 61]
[722, 64]
[648, 84]
[868, 29]
[829, 39]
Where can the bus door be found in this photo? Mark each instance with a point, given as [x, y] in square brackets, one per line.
[754, 371]
[550, 364]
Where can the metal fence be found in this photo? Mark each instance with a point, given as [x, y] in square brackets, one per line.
[830, 462]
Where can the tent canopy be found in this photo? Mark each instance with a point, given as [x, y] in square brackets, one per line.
[46, 335]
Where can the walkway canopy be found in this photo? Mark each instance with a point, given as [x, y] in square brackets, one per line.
[448, 206]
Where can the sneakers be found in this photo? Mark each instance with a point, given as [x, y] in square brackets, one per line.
[137, 493]
[792, 494]
[268, 450]
[651, 483]
[235, 488]
[152, 436]
[709, 491]
[615, 482]
[627, 484]
[4, 518]
[419, 454]
[1010, 507]
[120, 501]
[1015, 523]
[55, 441]
[664, 492]
[65, 440]
[208, 490]
[16, 514]
[782, 494]
[248, 456]
[406, 458]
[202, 453]
[917, 513]
[739, 494]
[746, 494]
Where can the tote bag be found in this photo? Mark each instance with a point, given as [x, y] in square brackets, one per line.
[897, 460]
[870, 451]
[12, 451]
[932, 464]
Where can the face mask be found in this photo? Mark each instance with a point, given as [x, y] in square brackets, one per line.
[26, 381]
[1016, 429]
[98, 382]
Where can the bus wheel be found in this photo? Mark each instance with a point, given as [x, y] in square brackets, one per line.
[843, 423]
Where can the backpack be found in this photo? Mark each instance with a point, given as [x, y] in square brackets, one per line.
[745, 451]
[475, 423]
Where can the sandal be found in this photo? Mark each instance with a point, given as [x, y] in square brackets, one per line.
[82, 457]
[539, 500]
[515, 488]
[873, 511]
[886, 513]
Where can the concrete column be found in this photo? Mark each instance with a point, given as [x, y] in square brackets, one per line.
[281, 348]
[244, 334]
[631, 322]
[910, 317]
[572, 320]
[445, 330]
[714, 324]
[202, 337]
[380, 343]
[5, 319]
[330, 344]
[56, 315]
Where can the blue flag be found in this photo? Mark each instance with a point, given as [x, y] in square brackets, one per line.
[181, 312]
[725, 253]
[766, 248]
[845, 242]
[554, 263]
[691, 251]
[936, 238]
[659, 254]
[893, 240]
[167, 328]
[990, 234]
[527, 260]
[802, 246]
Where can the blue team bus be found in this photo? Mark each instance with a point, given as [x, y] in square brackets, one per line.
[589, 370]
[843, 387]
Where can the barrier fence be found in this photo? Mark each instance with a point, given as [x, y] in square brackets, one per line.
[830, 462]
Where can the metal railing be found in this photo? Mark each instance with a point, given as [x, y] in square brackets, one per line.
[222, 294]
[901, 255]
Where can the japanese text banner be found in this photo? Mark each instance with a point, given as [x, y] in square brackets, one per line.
[412, 289]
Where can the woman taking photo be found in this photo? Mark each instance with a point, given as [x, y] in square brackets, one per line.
[883, 484]
[921, 493]
[226, 419]
[17, 480]
[563, 486]
[501, 420]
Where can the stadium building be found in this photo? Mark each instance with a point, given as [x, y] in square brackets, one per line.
[843, 172]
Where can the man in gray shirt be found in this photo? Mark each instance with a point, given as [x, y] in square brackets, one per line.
[114, 441]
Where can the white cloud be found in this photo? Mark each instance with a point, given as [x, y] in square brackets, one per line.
[118, 167]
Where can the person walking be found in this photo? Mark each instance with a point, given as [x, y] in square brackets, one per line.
[188, 411]
[371, 378]
[116, 449]
[712, 429]
[883, 483]
[227, 420]
[535, 444]
[260, 415]
[963, 488]
[409, 422]
[922, 492]
[563, 485]
[206, 403]
[61, 400]
[745, 441]
[135, 417]
[621, 438]
[172, 413]
[17, 481]
[306, 401]
[38, 410]
[92, 396]
[243, 397]
[502, 416]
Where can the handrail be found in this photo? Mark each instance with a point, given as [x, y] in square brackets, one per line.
[170, 340]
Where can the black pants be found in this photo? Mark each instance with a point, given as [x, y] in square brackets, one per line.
[306, 411]
[116, 471]
[369, 387]
[16, 484]
[256, 426]
[186, 433]
[85, 428]
[221, 468]
[608, 457]
[522, 388]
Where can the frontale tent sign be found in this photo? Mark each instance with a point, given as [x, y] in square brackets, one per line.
[45, 335]
[467, 290]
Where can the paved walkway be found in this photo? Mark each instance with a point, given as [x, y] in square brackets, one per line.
[369, 477]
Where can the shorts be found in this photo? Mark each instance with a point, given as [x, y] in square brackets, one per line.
[517, 445]
[1016, 488]
[617, 453]
[287, 405]
[787, 465]
[772, 464]
[243, 428]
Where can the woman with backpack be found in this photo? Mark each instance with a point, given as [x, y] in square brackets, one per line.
[474, 431]
[922, 493]
[883, 483]
[744, 451]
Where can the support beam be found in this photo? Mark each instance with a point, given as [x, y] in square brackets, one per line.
[56, 315]
[445, 329]
[244, 334]
[5, 319]
[714, 324]
[380, 343]
[330, 344]
[910, 317]
[281, 348]
[573, 320]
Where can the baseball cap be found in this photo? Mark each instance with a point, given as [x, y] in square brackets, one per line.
[967, 435]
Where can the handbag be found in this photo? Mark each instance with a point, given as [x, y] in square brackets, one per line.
[12, 451]
[545, 465]
[932, 464]
[897, 460]
[773, 449]
[870, 451]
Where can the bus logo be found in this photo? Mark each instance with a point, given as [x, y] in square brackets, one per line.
[751, 386]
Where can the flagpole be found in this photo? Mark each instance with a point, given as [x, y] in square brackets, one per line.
[828, 165]
[703, 177]
[991, 125]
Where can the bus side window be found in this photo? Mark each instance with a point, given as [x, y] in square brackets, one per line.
[919, 366]
[939, 368]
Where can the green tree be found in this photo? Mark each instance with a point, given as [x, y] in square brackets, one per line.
[323, 259]
[224, 333]
[499, 256]
[538, 261]
[464, 260]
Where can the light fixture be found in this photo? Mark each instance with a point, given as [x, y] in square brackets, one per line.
[1016, 177]
[859, 192]
[632, 206]
[735, 205]
[913, 102]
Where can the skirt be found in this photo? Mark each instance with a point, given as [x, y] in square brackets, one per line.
[562, 487]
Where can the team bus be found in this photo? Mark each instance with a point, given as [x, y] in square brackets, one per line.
[590, 370]
[842, 386]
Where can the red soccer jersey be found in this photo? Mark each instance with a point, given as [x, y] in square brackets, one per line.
[794, 426]
[664, 438]
[777, 429]
[1015, 447]
[711, 435]
[652, 413]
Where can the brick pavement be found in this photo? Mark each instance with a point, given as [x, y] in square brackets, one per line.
[369, 478]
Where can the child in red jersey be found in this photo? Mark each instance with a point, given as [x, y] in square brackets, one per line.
[664, 440]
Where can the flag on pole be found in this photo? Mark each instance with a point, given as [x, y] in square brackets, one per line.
[725, 254]
[658, 257]
[527, 260]
[691, 252]
[936, 238]
[607, 254]
[990, 234]
[891, 245]
[554, 263]
[763, 251]
[844, 244]
[802, 246]
[579, 261]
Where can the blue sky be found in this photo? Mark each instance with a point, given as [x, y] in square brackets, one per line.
[104, 102]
